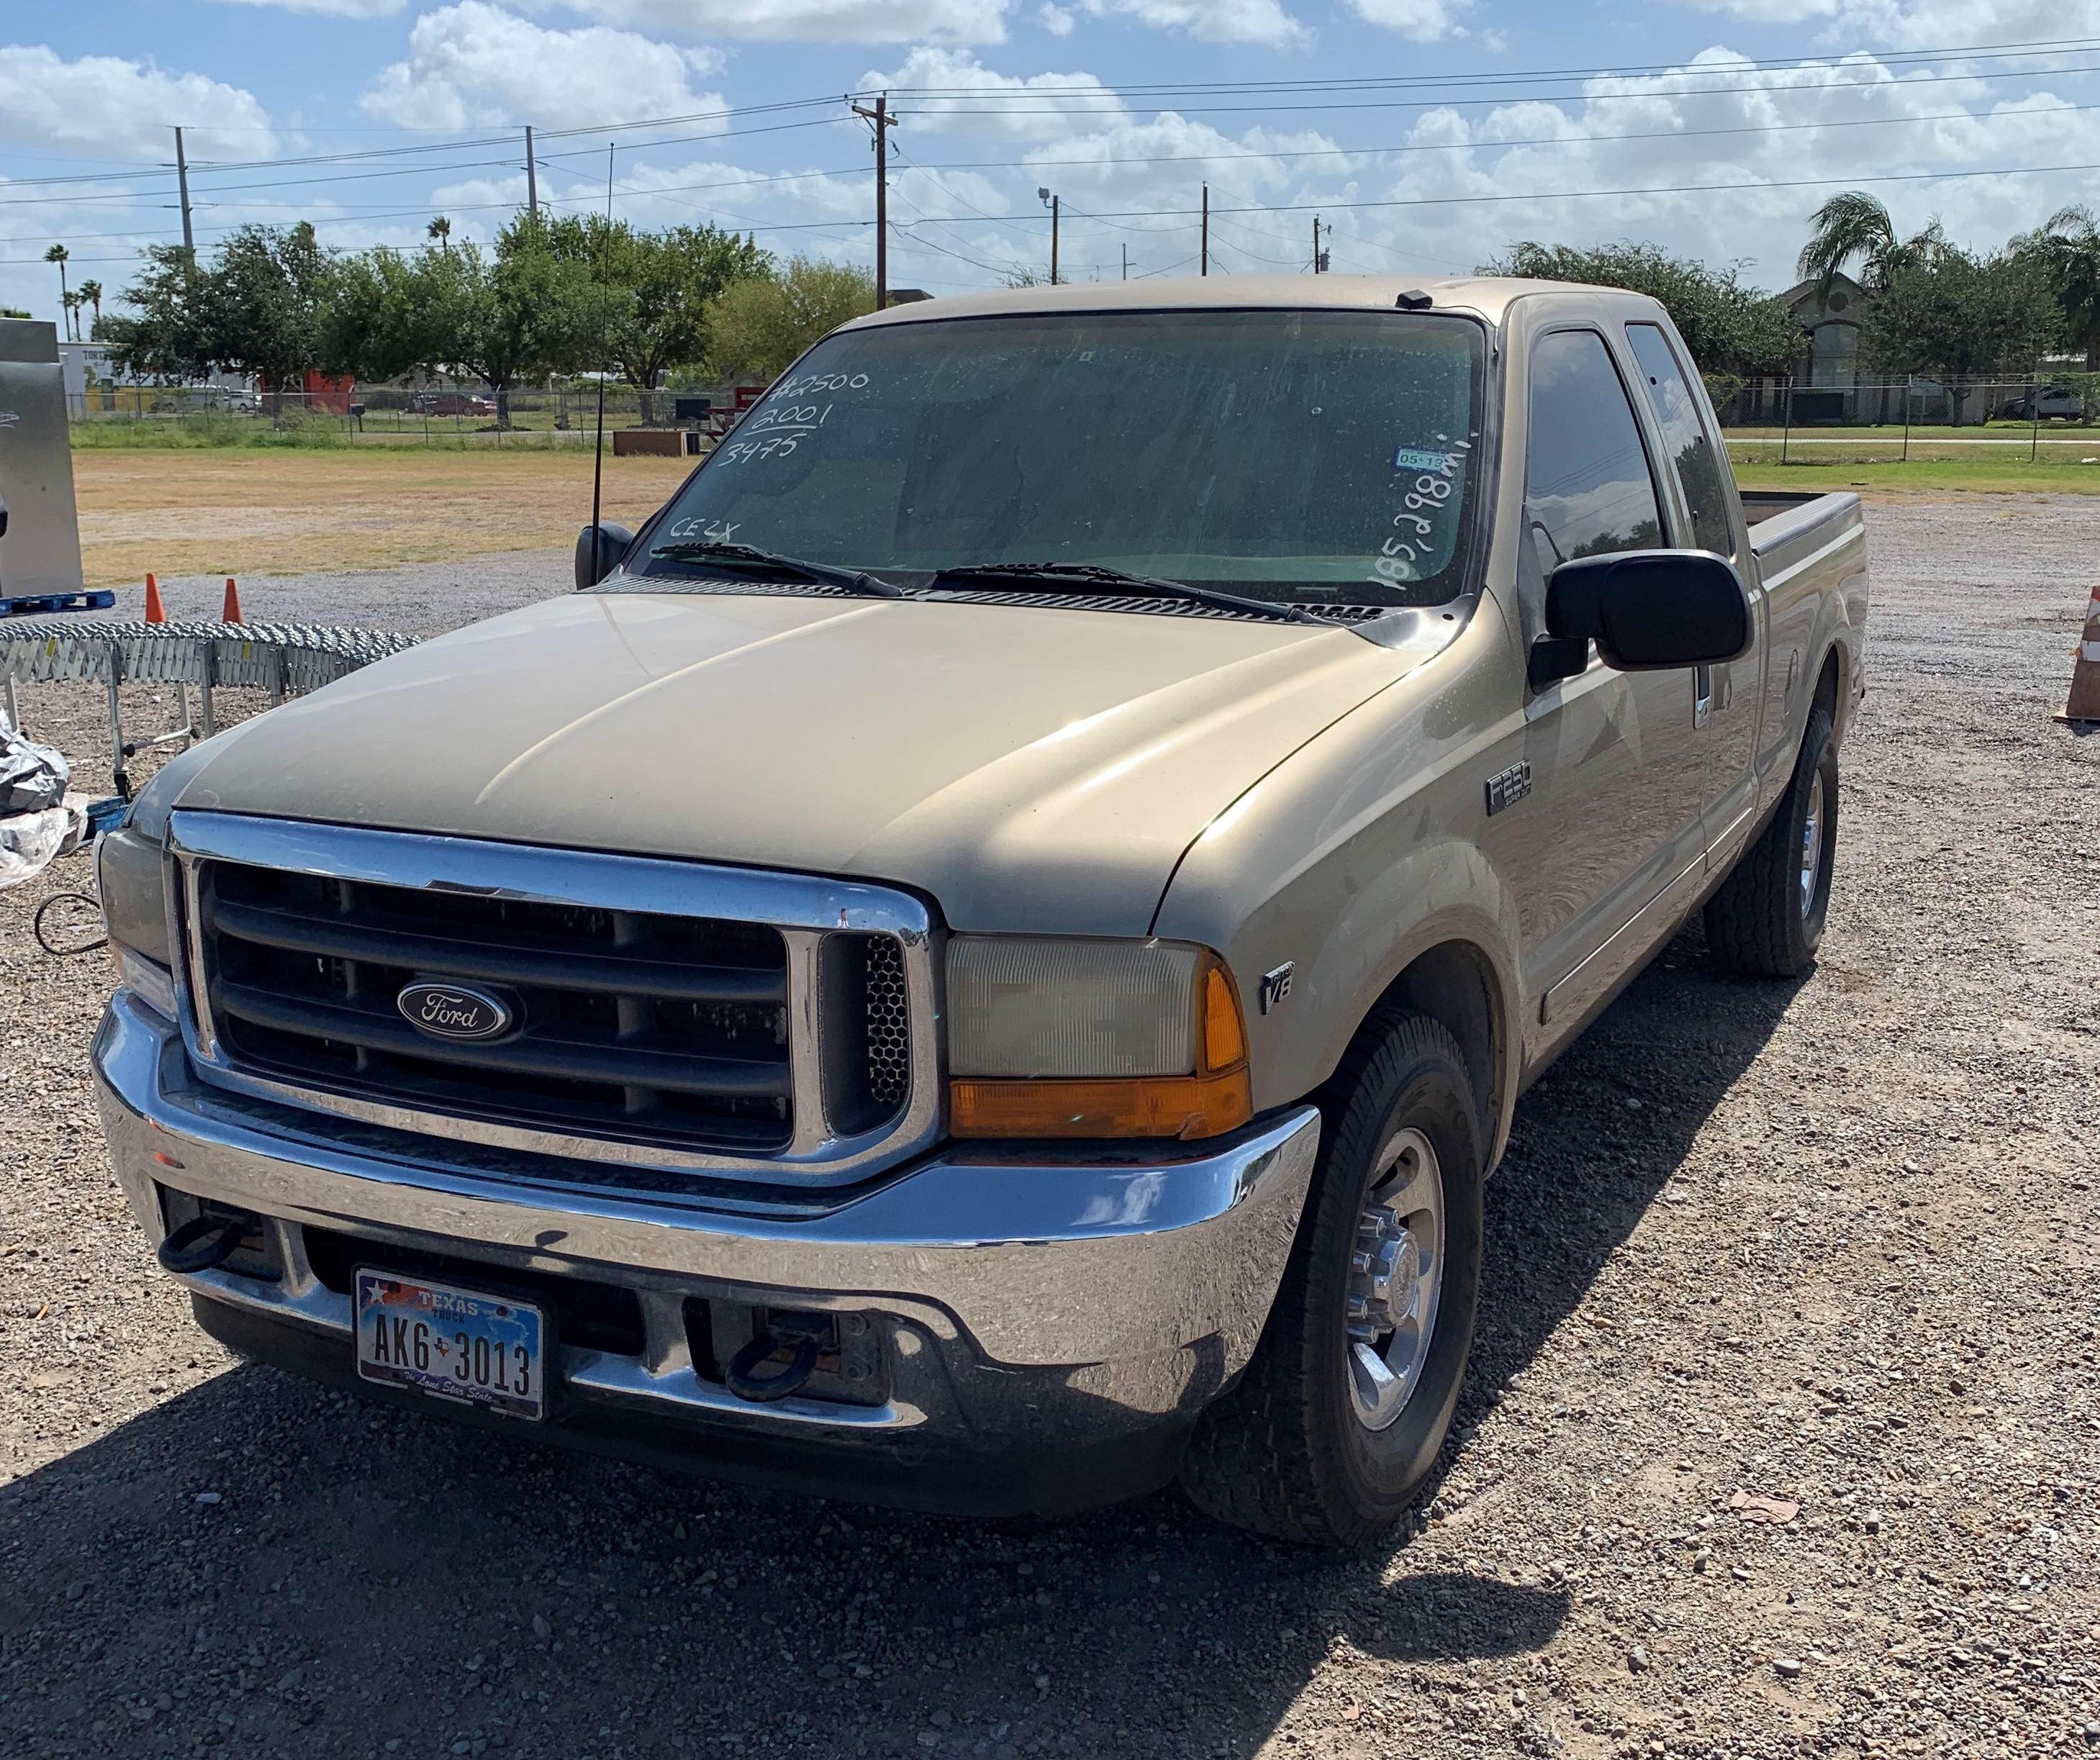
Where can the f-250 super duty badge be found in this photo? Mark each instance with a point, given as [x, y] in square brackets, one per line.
[1506, 786]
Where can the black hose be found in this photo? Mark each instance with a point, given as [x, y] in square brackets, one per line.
[45, 942]
[798, 1370]
[205, 1240]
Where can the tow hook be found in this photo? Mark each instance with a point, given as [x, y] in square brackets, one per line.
[206, 1240]
[804, 1335]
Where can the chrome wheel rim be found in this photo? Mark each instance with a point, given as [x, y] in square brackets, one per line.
[1396, 1280]
[1812, 845]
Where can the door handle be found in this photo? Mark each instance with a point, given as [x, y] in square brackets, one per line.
[1702, 696]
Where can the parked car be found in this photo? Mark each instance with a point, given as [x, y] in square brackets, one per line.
[982, 960]
[450, 404]
[2051, 403]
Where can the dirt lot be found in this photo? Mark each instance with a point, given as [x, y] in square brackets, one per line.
[246, 512]
[1831, 1245]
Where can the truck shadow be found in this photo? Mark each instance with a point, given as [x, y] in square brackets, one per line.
[363, 1578]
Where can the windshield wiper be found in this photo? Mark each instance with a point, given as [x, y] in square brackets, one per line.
[743, 556]
[1098, 575]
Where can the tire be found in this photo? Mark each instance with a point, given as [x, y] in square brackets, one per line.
[1297, 1450]
[1767, 919]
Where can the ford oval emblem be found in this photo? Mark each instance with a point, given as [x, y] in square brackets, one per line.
[455, 1011]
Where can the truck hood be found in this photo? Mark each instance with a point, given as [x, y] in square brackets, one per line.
[1028, 767]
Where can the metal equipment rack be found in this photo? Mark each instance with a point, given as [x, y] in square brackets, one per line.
[285, 659]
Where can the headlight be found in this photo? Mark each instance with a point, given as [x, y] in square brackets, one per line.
[132, 878]
[1073, 1038]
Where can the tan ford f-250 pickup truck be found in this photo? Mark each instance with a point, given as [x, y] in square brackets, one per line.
[981, 961]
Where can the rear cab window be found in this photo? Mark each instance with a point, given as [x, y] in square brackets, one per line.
[1691, 451]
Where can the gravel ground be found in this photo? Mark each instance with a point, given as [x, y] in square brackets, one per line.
[1830, 1247]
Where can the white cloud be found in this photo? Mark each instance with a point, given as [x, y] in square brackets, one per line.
[1041, 106]
[1058, 20]
[809, 20]
[1417, 20]
[473, 64]
[1259, 21]
[355, 9]
[1924, 24]
[119, 109]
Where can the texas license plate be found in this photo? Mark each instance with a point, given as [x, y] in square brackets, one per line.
[460, 1344]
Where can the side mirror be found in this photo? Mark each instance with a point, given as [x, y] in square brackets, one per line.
[1648, 611]
[600, 549]
[3, 519]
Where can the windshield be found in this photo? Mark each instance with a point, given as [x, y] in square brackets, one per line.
[1324, 456]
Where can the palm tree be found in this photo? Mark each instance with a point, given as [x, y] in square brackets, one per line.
[2068, 245]
[440, 232]
[91, 292]
[1852, 224]
[58, 254]
[73, 303]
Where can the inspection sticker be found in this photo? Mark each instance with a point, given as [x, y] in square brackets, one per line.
[1419, 458]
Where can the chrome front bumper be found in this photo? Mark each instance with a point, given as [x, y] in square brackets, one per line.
[1030, 1302]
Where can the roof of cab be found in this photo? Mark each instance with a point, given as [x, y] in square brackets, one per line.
[1487, 297]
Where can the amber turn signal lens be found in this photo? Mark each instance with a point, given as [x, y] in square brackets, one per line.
[1219, 1096]
[1224, 1034]
[1186, 1106]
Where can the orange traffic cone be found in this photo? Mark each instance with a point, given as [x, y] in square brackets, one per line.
[231, 614]
[2083, 708]
[156, 612]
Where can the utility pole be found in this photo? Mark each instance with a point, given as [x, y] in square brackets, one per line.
[532, 176]
[1205, 246]
[1052, 202]
[883, 122]
[1126, 260]
[183, 188]
[1319, 256]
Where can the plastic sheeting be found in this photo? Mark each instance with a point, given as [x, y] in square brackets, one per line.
[30, 842]
[39, 821]
[32, 777]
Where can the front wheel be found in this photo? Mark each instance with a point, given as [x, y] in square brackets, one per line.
[1767, 917]
[1340, 1416]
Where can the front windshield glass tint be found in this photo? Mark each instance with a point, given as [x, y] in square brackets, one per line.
[1321, 455]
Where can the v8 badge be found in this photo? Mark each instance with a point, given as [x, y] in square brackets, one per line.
[1276, 986]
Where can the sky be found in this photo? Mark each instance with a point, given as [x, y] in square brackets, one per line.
[1429, 134]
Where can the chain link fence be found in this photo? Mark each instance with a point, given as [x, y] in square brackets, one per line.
[1869, 417]
[379, 415]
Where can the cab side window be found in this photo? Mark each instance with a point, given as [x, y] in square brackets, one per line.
[1587, 487]
[1677, 415]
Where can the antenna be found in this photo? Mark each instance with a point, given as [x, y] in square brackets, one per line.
[598, 449]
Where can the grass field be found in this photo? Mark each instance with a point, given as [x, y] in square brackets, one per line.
[272, 511]
[1979, 471]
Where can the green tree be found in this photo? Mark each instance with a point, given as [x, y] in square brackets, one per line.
[59, 255]
[91, 292]
[502, 318]
[1732, 331]
[163, 335]
[1853, 226]
[656, 289]
[259, 307]
[2066, 245]
[762, 325]
[1950, 314]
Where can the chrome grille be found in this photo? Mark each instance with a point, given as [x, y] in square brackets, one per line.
[889, 1031]
[660, 1013]
[655, 1029]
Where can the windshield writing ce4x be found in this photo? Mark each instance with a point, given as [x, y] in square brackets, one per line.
[1322, 456]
